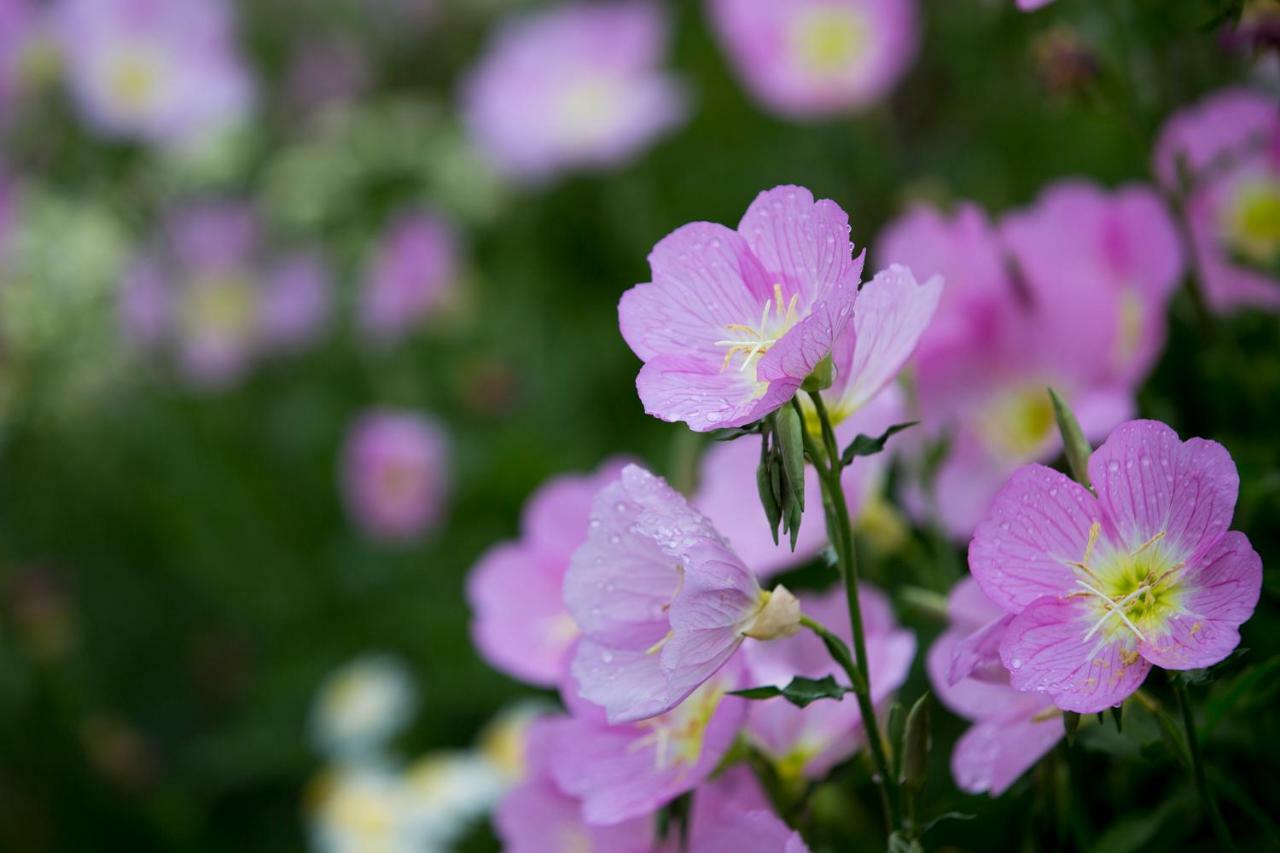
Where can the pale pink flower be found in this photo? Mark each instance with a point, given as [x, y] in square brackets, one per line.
[1012, 730]
[662, 601]
[157, 70]
[1032, 5]
[1227, 147]
[414, 269]
[734, 321]
[575, 87]
[623, 771]
[1102, 588]
[809, 58]
[22, 26]
[395, 474]
[520, 623]
[808, 742]
[731, 815]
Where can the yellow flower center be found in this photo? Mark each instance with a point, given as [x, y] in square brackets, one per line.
[677, 735]
[1131, 590]
[1253, 221]
[1018, 423]
[751, 342]
[133, 80]
[825, 41]
[222, 306]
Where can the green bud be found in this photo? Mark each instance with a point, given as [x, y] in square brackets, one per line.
[1073, 441]
[1070, 724]
[764, 484]
[821, 377]
[915, 750]
[789, 430]
[896, 729]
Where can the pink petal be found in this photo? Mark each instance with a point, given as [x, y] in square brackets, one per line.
[1224, 586]
[707, 396]
[804, 245]
[992, 755]
[973, 698]
[1046, 651]
[798, 352]
[1149, 482]
[891, 314]
[1039, 522]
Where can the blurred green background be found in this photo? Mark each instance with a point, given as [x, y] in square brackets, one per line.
[177, 570]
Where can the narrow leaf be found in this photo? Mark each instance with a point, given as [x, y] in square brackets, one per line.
[801, 692]
[865, 445]
[1074, 444]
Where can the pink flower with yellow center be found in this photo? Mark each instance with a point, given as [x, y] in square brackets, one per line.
[809, 58]
[1104, 587]
[395, 474]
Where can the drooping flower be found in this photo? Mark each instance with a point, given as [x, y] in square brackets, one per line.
[812, 58]
[734, 321]
[209, 293]
[164, 71]
[1227, 148]
[1012, 730]
[1102, 588]
[577, 87]
[520, 623]
[413, 270]
[627, 770]
[395, 474]
[808, 742]
[995, 345]
[661, 600]
[361, 706]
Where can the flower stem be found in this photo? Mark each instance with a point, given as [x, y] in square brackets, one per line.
[1197, 766]
[840, 531]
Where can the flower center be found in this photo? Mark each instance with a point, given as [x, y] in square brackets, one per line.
[754, 341]
[222, 307]
[1132, 591]
[1018, 423]
[1253, 221]
[826, 41]
[678, 734]
[1129, 326]
[133, 81]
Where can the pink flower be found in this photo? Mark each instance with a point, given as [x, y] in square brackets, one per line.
[21, 27]
[537, 817]
[1032, 5]
[573, 88]
[1012, 730]
[734, 321]
[810, 58]
[414, 269]
[661, 600]
[520, 623]
[1102, 588]
[727, 492]
[1229, 147]
[1088, 328]
[731, 815]
[624, 771]
[808, 742]
[158, 70]
[211, 295]
[395, 474]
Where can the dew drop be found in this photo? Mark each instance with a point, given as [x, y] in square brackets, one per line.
[1016, 663]
[606, 656]
[1113, 465]
[615, 539]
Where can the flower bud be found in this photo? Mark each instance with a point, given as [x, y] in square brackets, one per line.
[779, 615]
[824, 373]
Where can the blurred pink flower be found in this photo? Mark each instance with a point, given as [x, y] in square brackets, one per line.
[520, 623]
[576, 87]
[808, 742]
[1227, 147]
[326, 71]
[730, 814]
[1012, 730]
[21, 26]
[809, 58]
[1032, 5]
[661, 600]
[734, 321]
[727, 489]
[208, 293]
[1087, 317]
[1102, 588]
[625, 771]
[164, 71]
[413, 270]
[395, 474]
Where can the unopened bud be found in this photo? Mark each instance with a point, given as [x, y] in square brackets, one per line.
[824, 373]
[779, 615]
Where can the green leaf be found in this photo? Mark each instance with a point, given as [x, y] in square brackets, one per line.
[865, 445]
[916, 744]
[1070, 724]
[899, 843]
[738, 432]
[943, 818]
[801, 692]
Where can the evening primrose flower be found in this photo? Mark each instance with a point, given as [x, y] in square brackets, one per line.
[734, 321]
[575, 87]
[810, 58]
[164, 71]
[361, 706]
[1227, 147]
[414, 269]
[808, 742]
[1011, 731]
[395, 474]
[1104, 587]
[625, 770]
[520, 623]
[662, 602]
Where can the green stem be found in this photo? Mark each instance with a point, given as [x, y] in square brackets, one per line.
[1197, 766]
[840, 532]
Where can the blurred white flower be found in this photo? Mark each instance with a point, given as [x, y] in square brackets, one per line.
[361, 706]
